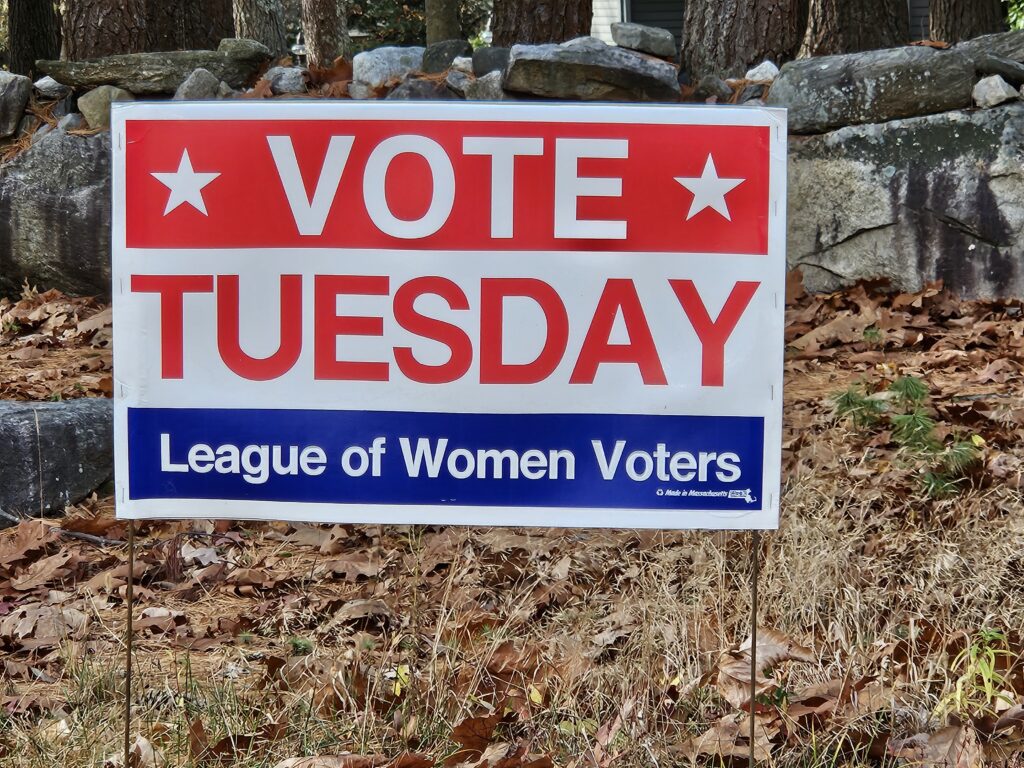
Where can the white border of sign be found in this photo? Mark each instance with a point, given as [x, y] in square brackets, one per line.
[774, 119]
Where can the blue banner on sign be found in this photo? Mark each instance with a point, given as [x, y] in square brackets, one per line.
[396, 457]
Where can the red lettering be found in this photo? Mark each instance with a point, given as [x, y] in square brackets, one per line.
[450, 335]
[172, 290]
[259, 368]
[713, 335]
[618, 295]
[493, 292]
[329, 325]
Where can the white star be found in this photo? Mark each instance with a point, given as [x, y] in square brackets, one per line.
[186, 185]
[709, 191]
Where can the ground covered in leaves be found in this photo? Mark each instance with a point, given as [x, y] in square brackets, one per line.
[892, 597]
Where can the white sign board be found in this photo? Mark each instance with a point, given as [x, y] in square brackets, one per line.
[486, 314]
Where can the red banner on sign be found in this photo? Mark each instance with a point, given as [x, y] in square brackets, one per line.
[446, 185]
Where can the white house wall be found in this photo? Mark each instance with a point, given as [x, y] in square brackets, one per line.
[606, 12]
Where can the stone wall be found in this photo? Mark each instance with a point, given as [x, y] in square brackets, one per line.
[904, 163]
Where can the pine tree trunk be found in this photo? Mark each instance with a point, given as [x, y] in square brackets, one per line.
[956, 20]
[263, 21]
[442, 20]
[33, 33]
[94, 28]
[187, 24]
[540, 21]
[324, 30]
[727, 37]
[846, 26]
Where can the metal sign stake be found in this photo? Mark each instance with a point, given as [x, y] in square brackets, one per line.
[755, 551]
[128, 645]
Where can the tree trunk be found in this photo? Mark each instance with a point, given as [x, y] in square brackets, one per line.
[442, 20]
[322, 27]
[540, 21]
[846, 26]
[727, 37]
[956, 20]
[188, 24]
[263, 21]
[94, 28]
[33, 32]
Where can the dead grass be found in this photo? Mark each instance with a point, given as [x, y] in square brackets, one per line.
[381, 640]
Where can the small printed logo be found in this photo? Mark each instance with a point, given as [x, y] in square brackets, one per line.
[744, 494]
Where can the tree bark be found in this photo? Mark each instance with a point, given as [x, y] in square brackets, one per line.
[442, 20]
[727, 37]
[323, 26]
[94, 28]
[263, 21]
[956, 20]
[33, 32]
[187, 24]
[847, 26]
[540, 21]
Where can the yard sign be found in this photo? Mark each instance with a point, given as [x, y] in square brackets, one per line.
[487, 314]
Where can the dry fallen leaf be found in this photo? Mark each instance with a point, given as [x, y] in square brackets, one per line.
[773, 648]
[955, 746]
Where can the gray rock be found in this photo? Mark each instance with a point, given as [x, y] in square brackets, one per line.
[55, 215]
[1011, 71]
[487, 88]
[588, 69]
[26, 125]
[236, 62]
[1008, 45]
[95, 105]
[361, 91]
[385, 65]
[638, 37]
[71, 122]
[712, 85]
[40, 132]
[912, 201]
[490, 59]
[417, 89]
[457, 81]
[992, 91]
[14, 93]
[463, 64]
[751, 93]
[201, 84]
[243, 49]
[764, 72]
[439, 56]
[225, 91]
[53, 454]
[49, 88]
[287, 79]
[828, 92]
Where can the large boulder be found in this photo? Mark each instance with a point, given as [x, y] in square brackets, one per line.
[14, 93]
[1008, 45]
[590, 70]
[388, 64]
[490, 59]
[913, 200]
[236, 62]
[638, 37]
[439, 56]
[420, 89]
[53, 454]
[95, 105]
[287, 80]
[201, 84]
[827, 92]
[55, 215]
